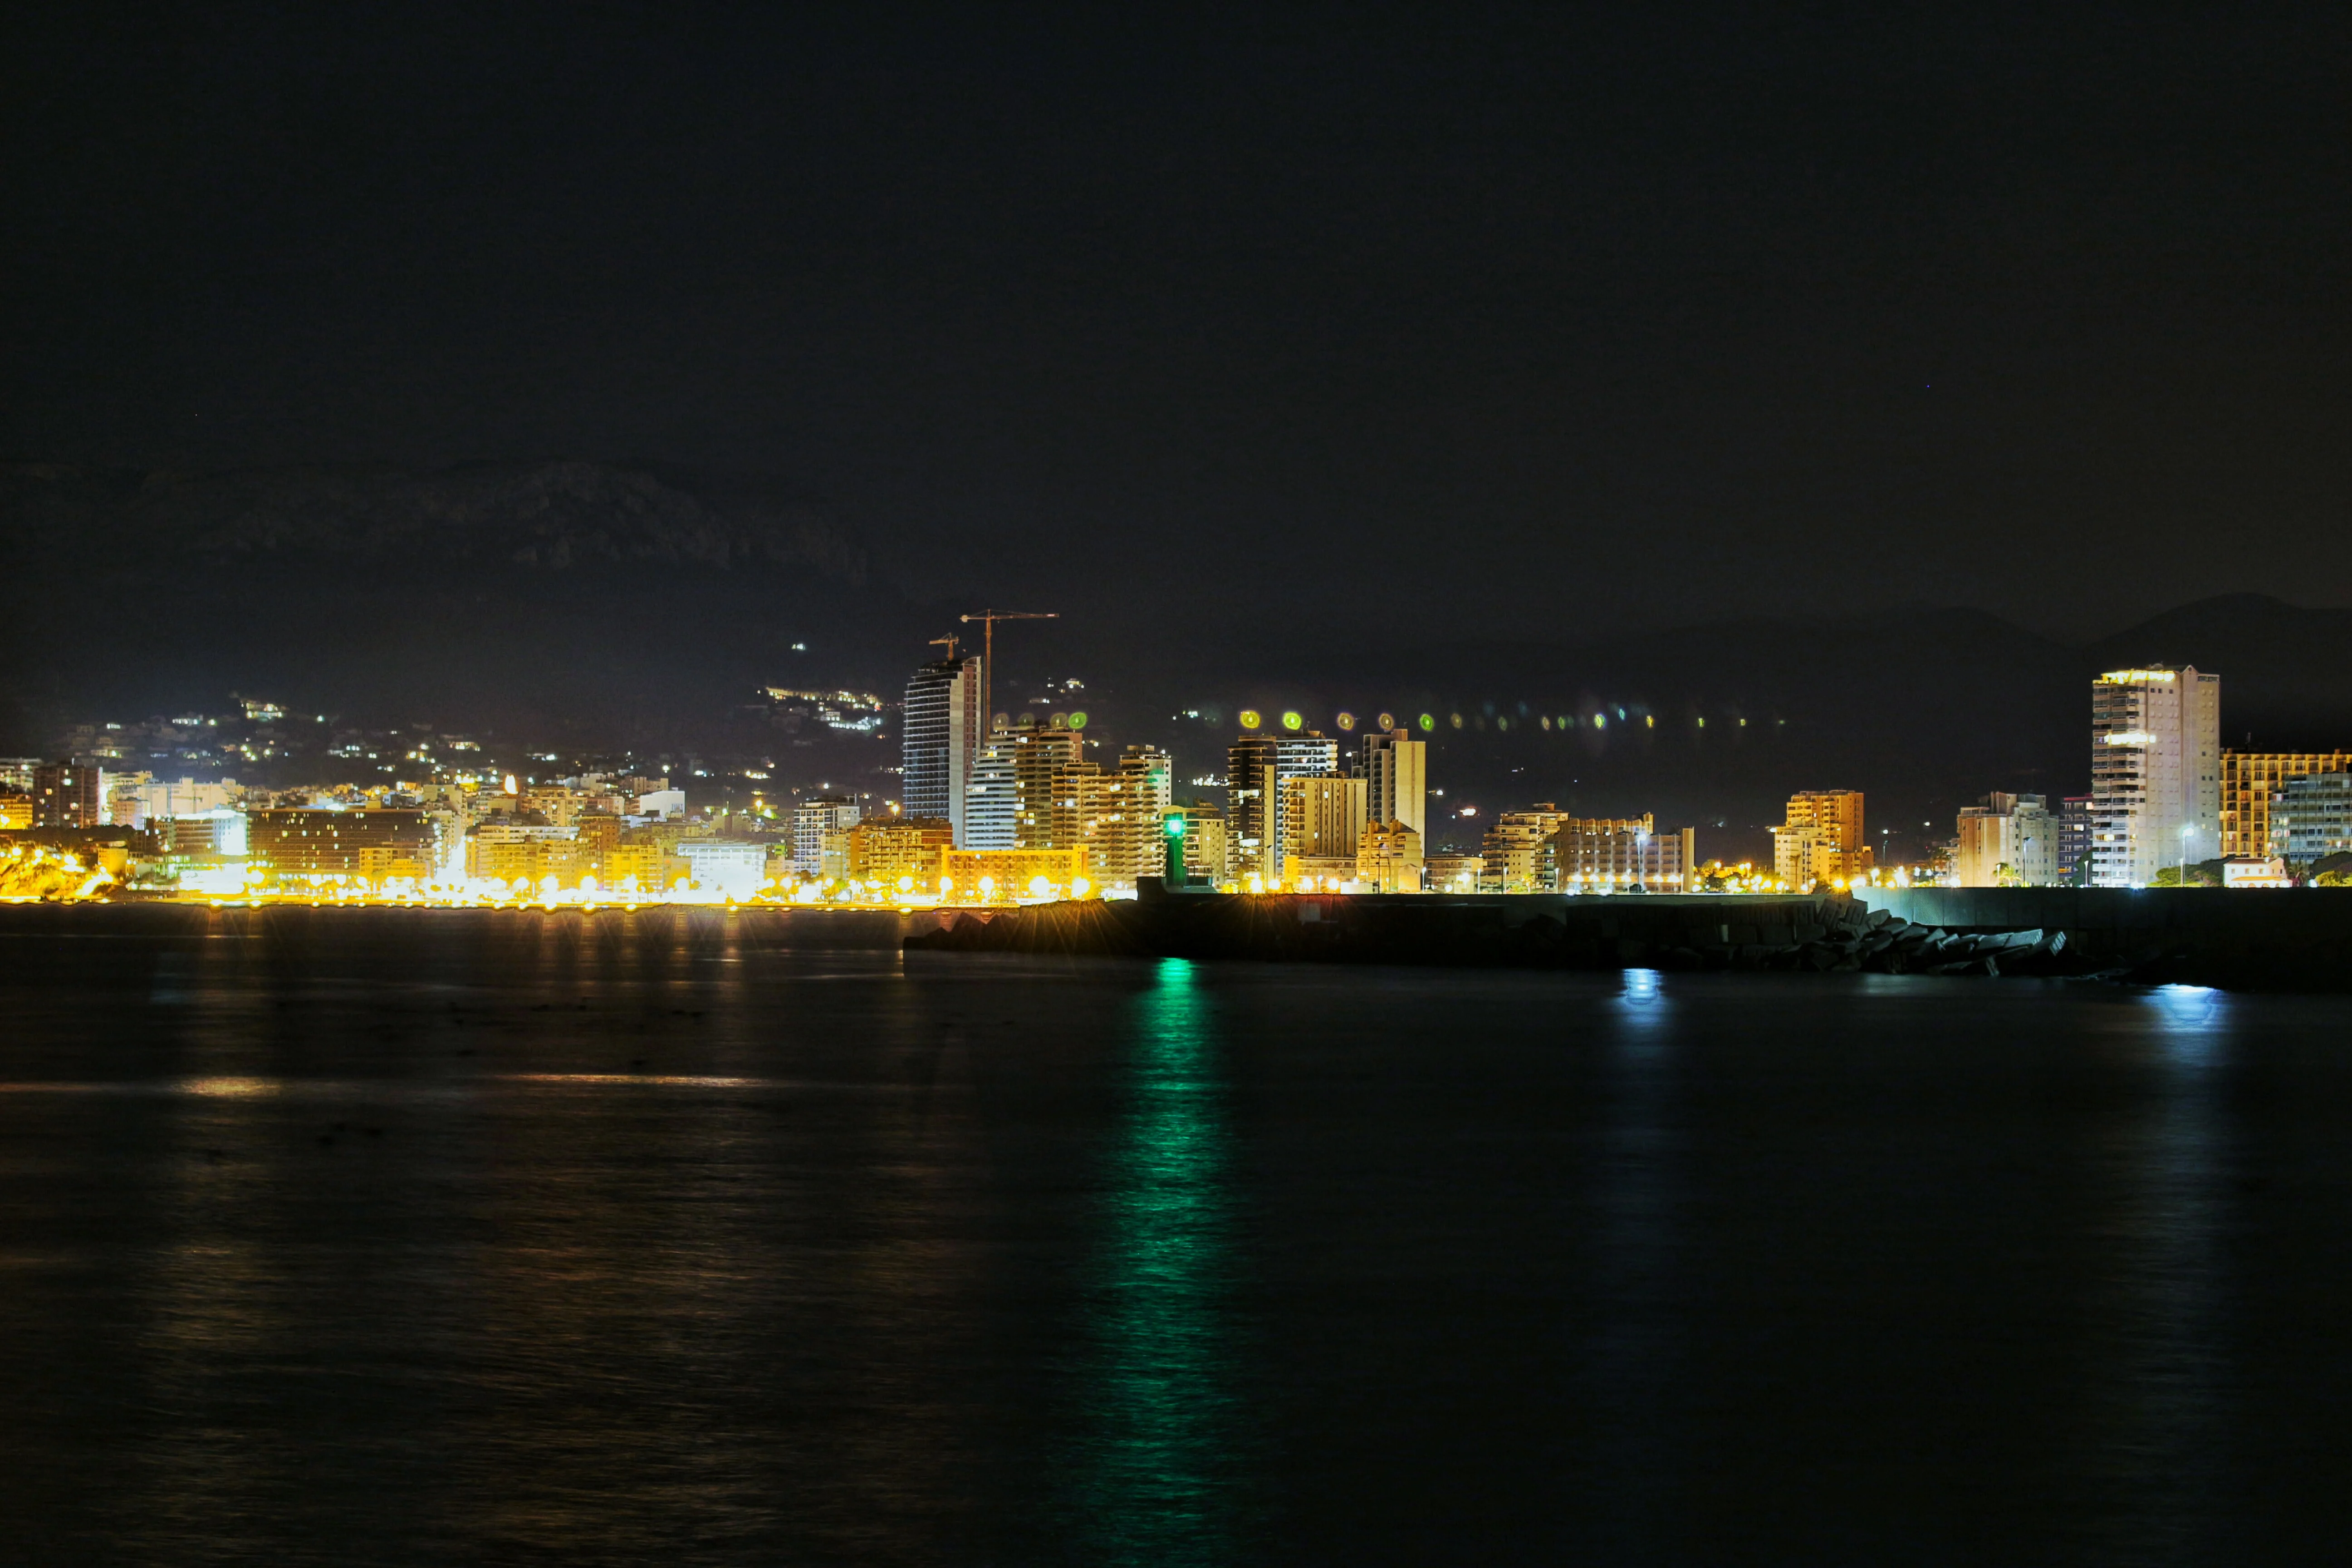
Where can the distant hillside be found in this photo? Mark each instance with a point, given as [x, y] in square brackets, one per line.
[575, 598]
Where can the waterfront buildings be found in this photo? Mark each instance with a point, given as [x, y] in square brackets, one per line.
[1207, 857]
[2010, 841]
[2251, 780]
[812, 820]
[1310, 755]
[1395, 770]
[941, 738]
[2255, 871]
[2311, 816]
[1008, 802]
[1511, 854]
[1822, 839]
[1000, 876]
[1612, 854]
[1251, 801]
[1322, 817]
[2074, 841]
[2156, 773]
[990, 812]
[369, 844]
[1033, 787]
[526, 853]
[1113, 814]
[164, 797]
[67, 794]
[634, 866]
[200, 837]
[896, 849]
[1126, 825]
[1026, 772]
[725, 867]
[1045, 806]
[1388, 858]
[1452, 873]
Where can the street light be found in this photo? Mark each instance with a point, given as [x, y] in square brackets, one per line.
[2187, 831]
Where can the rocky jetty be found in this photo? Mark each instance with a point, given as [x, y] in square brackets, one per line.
[2230, 940]
[1818, 933]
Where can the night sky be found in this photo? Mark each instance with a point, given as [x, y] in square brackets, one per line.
[1509, 322]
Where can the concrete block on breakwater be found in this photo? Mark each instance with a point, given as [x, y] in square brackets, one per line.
[2266, 939]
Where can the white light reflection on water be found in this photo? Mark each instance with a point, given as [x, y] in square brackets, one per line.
[1156, 1473]
[2170, 1393]
[1633, 1360]
[1640, 1003]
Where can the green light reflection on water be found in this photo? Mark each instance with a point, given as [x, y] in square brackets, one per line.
[1156, 1477]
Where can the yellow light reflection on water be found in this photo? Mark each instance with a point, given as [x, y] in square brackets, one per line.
[230, 1088]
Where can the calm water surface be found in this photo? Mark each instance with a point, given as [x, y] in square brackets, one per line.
[357, 1237]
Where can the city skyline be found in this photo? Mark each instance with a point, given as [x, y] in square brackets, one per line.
[1295, 810]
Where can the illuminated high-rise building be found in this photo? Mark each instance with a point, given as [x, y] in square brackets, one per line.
[1322, 817]
[2312, 817]
[2074, 840]
[1395, 770]
[1135, 800]
[67, 794]
[2250, 781]
[1388, 858]
[2009, 840]
[1252, 799]
[1823, 838]
[1512, 852]
[1257, 768]
[814, 818]
[940, 735]
[992, 813]
[1207, 854]
[2156, 773]
[1016, 781]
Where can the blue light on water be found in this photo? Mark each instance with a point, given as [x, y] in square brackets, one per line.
[1640, 1003]
[2190, 1017]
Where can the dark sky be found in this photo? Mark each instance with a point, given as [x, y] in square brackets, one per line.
[1532, 321]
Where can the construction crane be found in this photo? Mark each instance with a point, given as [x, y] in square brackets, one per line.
[988, 620]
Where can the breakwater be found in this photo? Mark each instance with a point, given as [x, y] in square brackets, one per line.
[2254, 938]
[2289, 940]
[1818, 932]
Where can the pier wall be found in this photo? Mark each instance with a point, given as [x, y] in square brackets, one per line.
[2296, 939]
